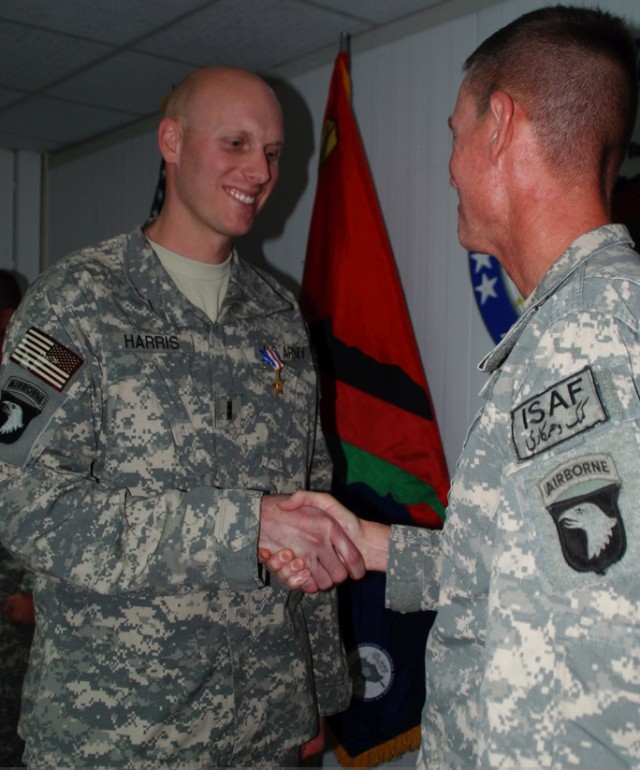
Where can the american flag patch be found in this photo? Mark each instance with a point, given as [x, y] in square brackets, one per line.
[41, 355]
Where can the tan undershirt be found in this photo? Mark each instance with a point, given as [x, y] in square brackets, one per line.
[202, 284]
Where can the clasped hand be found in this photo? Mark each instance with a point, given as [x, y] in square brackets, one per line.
[307, 541]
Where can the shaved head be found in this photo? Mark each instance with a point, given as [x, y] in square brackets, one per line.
[217, 82]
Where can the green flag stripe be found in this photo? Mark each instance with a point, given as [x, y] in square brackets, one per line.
[387, 479]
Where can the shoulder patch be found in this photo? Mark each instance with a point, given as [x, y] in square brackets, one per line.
[20, 402]
[46, 358]
[566, 409]
[581, 496]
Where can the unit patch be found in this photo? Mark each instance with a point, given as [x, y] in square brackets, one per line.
[581, 497]
[566, 409]
[21, 402]
[372, 671]
[47, 359]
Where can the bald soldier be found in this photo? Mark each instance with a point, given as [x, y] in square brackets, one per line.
[158, 403]
[534, 658]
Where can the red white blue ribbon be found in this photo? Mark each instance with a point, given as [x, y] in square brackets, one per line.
[271, 356]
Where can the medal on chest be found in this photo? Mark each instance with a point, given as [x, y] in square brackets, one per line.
[271, 357]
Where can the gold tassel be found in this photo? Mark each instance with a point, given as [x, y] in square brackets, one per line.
[385, 752]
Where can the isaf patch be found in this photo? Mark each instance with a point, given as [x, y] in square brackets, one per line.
[566, 409]
[21, 402]
[46, 358]
[581, 496]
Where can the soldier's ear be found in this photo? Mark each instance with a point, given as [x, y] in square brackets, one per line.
[169, 139]
[502, 112]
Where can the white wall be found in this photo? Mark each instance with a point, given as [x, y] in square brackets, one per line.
[96, 196]
[6, 210]
[20, 214]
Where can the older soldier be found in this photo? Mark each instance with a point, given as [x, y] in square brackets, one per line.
[534, 659]
[159, 401]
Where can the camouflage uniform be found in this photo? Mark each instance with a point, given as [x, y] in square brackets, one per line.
[133, 490]
[534, 660]
[15, 643]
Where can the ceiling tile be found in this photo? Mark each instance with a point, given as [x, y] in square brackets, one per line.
[283, 30]
[378, 11]
[9, 96]
[71, 70]
[33, 58]
[111, 21]
[129, 81]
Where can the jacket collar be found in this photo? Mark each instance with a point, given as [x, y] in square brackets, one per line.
[562, 269]
[251, 292]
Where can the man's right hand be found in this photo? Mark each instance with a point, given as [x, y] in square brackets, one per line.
[291, 567]
[314, 536]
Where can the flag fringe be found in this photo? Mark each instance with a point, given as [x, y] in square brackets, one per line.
[385, 752]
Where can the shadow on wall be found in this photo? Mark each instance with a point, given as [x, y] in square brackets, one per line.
[8, 291]
[626, 207]
[294, 177]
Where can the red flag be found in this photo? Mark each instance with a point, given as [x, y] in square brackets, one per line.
[378, 418]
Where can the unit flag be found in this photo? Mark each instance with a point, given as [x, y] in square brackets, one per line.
[378, 418]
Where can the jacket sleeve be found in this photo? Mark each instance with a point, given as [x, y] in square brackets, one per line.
[330, 669]
[414, 568]
[331, 673]
[58, 518]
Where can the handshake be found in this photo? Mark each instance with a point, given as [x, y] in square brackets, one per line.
[309, 540]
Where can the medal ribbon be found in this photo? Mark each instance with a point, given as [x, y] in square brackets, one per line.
[271, 357]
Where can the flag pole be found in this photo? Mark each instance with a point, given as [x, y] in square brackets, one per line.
[345, 42]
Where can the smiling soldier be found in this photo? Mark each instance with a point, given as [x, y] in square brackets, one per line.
[150, 460]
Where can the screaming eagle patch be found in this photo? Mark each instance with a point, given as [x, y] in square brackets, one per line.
[581, 497]
[21, 402]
